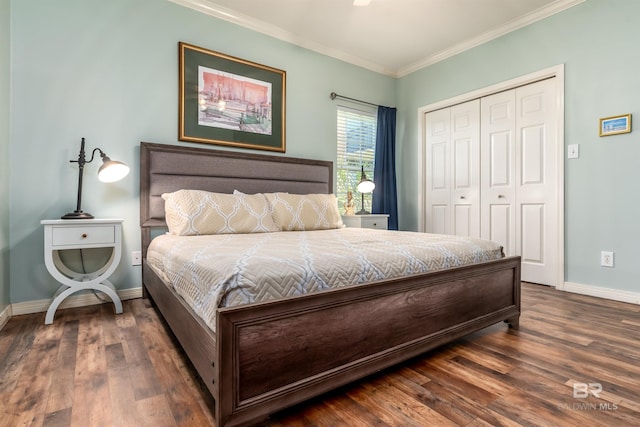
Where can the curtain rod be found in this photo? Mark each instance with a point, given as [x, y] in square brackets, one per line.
[334, 95]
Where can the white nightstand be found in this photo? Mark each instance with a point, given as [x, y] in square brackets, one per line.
[64, 234]
[377, 221]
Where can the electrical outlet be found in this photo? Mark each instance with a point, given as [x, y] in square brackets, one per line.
[606, 259]
[136, 258]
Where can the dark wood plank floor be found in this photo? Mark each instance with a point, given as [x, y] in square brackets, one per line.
[94, 368]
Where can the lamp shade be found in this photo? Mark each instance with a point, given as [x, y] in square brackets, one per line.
[365, 185]
[112, 170]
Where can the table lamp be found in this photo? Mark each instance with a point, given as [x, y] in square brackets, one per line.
[364, 186]
[110, 171]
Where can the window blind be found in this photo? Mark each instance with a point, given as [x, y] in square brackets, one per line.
[356, 147]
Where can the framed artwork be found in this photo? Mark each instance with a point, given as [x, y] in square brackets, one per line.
[615, 125]
[230, 101]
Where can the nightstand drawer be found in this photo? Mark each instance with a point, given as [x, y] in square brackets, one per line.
[74, 236]
[379, 223]
[376, 221]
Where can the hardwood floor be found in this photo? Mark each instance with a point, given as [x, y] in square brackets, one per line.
[94, 368]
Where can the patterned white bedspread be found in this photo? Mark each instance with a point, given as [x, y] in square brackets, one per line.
[223, 270]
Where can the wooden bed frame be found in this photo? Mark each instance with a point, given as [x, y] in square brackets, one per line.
[268, 356]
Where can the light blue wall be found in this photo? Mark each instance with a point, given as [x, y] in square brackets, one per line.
[108, 71]
[5, 45]
[597, 41]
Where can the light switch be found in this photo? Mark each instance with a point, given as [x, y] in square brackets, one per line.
[573, 151]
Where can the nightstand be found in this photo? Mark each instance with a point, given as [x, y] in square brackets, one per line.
[60, 235]
[377, 221]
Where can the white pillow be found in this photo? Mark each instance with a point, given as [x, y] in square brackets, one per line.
[196, 212]
[296, 212]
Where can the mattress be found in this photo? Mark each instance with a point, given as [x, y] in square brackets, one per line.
[224, 270]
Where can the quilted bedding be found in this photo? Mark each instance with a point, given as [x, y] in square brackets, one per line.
[232, 269]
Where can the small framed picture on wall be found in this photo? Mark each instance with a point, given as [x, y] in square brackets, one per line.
[615, 125]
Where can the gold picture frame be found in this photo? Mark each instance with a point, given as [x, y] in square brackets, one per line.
[225, 100]
[615, 125]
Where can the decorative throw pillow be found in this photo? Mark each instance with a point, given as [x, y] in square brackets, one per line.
[297, 212]
[195, 212]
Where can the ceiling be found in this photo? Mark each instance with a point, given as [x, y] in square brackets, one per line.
[393, 37]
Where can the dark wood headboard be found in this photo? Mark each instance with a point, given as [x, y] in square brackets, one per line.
[167, 168]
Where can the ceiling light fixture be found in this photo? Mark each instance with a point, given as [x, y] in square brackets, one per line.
[361, 2]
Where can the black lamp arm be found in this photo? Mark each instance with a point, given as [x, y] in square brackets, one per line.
[81, 156]
[78, 214]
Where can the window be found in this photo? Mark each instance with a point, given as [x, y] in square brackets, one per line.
[356, 148]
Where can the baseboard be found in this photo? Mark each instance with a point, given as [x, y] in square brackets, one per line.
[5, 316]
[40, 306]
[607, 293]
[82, 300]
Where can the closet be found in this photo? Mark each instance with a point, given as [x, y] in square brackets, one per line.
[490, 171]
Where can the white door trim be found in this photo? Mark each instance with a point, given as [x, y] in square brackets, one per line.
[555, 71]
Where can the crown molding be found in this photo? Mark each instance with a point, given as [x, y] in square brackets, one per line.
[212, 9]
[528, 19]
[220, 12]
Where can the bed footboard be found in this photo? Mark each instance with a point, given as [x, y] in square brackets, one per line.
[276, 354]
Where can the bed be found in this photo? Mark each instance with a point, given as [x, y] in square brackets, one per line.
[266, 356]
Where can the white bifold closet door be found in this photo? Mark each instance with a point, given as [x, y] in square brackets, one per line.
[453, 183]
[518, 178]
[491, 172]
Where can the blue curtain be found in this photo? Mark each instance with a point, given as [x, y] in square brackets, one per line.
[384, 169]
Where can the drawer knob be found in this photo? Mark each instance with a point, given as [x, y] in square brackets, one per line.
[375, 223]
[84, 235]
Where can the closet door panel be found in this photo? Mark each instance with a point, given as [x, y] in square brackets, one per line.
[500, 164]
[439, 219]
[497, 159]
[536, 188]
[532, 156]
[439, 160]
[532, 231]
[501, 226]
[463, 220]
[438, 173]
[462, 163]
[465, 154]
